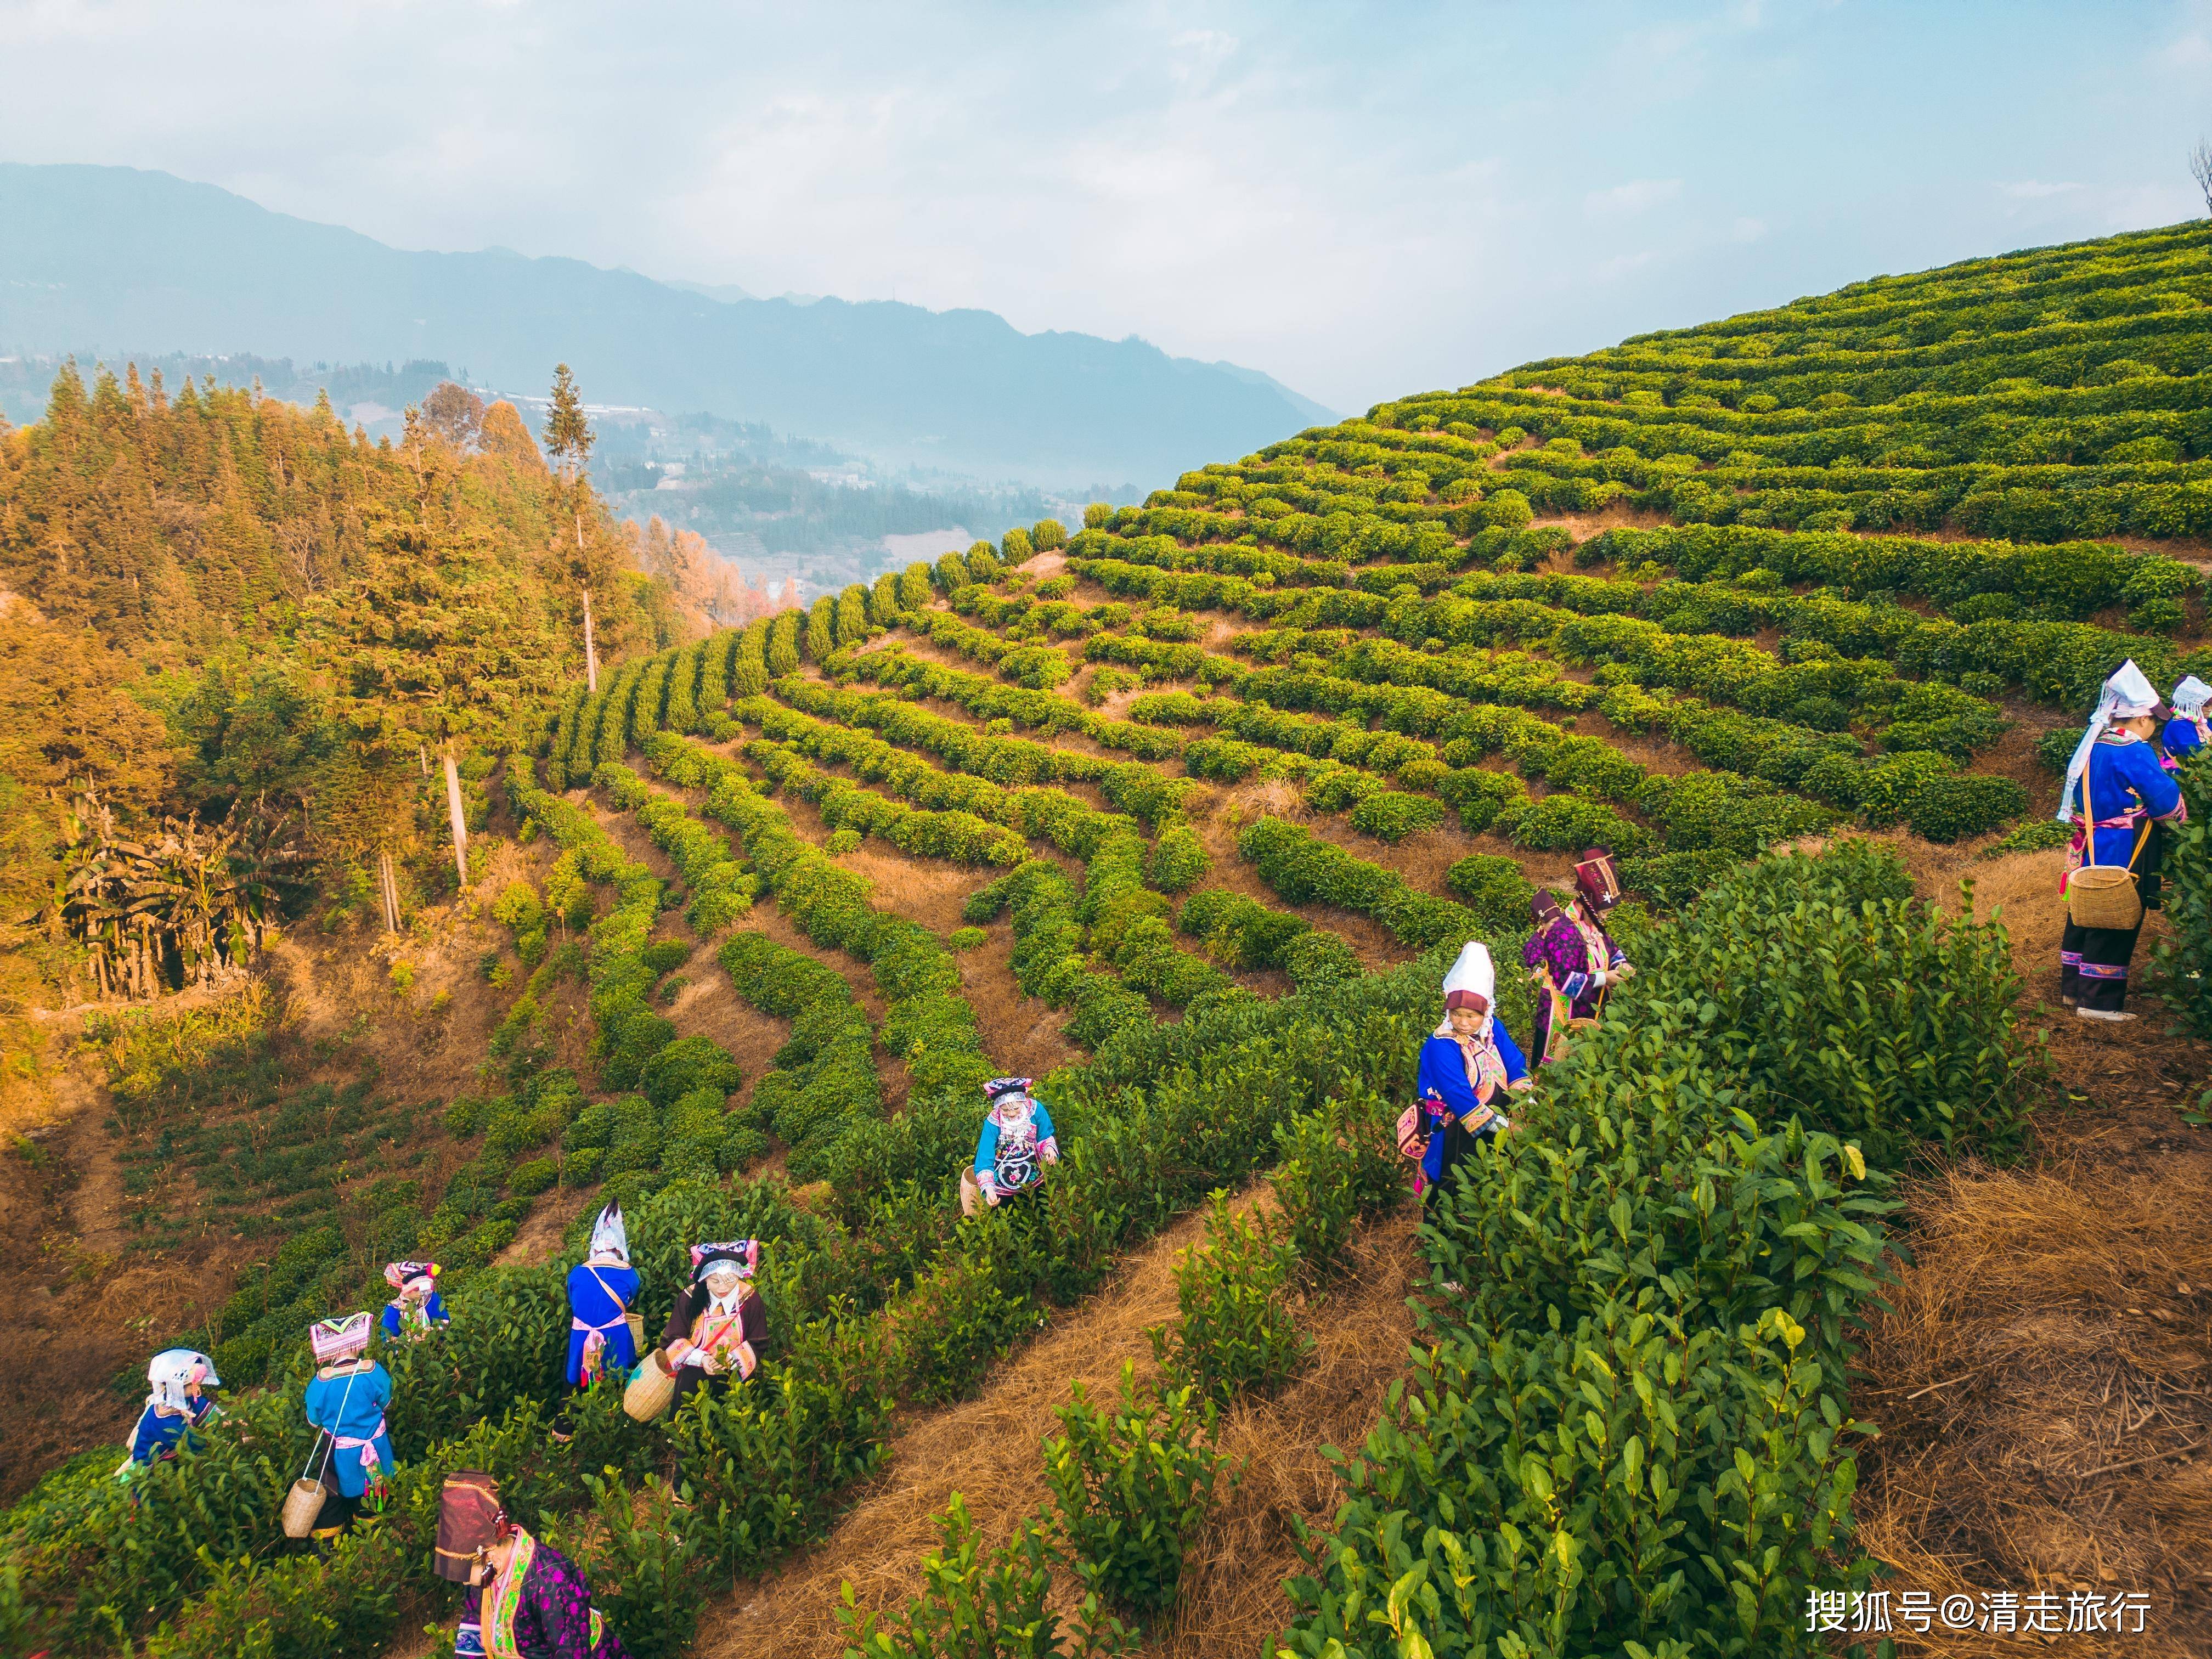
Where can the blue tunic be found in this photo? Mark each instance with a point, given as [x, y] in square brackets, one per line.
[1443, 1076]
[2124, 772]
[353, 1406]
[434, 1308]
[2181, 738]
[987, 1144]
[157, 1436]
[599, 1296]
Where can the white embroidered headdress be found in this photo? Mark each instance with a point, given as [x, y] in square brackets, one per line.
[2127, 696]
[174, 1370]
[610, 1237]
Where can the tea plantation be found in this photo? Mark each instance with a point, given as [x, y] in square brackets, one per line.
[1229, 777]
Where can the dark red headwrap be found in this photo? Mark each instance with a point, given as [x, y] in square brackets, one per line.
[1595, 881]
[471, 1520]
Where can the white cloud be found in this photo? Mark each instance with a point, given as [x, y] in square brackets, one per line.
[1747, 230]
[2190, 52]
[1637, 195]
[1199, 53]
[2034, 190]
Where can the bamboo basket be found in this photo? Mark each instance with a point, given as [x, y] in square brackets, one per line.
[301, 1505]
[2104, 896]
[651, 1389]
[637, 1323]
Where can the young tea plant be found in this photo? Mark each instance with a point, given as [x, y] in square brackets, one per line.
[980, 1604]
[1340, 1163]
[1236, 1332]
[1132, 1487]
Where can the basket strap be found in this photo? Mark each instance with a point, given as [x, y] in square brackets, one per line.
[2089, 831]
[2089, 817]
[331, 1433]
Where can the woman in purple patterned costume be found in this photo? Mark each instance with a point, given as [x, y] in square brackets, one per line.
[525, 1599]
[1573, 960]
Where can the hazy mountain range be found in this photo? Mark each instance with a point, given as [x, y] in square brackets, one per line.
[115, 260]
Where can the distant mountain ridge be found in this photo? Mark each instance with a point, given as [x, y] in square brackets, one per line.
[125, 260]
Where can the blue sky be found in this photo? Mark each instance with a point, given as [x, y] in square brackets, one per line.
[1363, 200]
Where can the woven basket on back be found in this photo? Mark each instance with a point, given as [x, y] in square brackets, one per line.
[2104, 895]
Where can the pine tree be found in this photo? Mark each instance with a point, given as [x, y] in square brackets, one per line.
[568, 440]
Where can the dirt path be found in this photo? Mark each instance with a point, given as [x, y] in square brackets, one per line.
[988, 1449]
[96, 1205]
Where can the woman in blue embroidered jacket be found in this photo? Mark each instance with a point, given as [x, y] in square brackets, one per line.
[2190, 732]
[419, 1306]
[346, 1400]
[178, 1406]
[602, 1290]
[1466, 1069]
[2117, 794]
[1011, 1148]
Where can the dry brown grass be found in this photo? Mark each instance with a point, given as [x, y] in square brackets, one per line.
[2043, 1389]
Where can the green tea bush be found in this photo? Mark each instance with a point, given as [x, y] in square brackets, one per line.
[959, 1318]
[1948, 809]
[1131, 1487]
[977, 1604]
[1340, 1166]
[314, 1606]
[1392, 815]
[1128, 929]
[645, 1555]
[1492, 887]
[990, 699]
[688, 1064]
[1684, 1503]
[627, 1033]
[2183, 958]
[818, 719]
[1048, 960]
[926, 1023]
[1237, 1332]
[1178, 862]
[1890, 785]
[825, 1077]
[1304, 869]
[1671, 880]
[1825, 982]
[2033, 835]
[1243, 933]
[762, 1463]
[1319, 959]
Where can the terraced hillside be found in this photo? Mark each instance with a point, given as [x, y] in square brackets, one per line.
[1181, 812]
